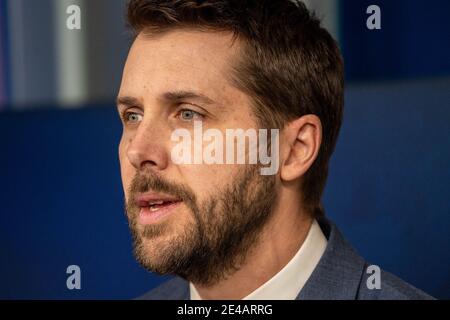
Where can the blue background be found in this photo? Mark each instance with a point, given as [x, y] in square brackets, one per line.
[388, 190]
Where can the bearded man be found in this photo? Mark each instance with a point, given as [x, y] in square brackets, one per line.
[224, 230]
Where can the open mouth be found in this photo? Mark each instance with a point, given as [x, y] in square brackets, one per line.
[159, 204]
[154, 207]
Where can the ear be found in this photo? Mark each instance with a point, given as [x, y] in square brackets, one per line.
[300, 146]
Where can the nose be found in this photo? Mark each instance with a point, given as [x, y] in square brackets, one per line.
[146, 148]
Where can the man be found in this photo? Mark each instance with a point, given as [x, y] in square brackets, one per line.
[224, 229]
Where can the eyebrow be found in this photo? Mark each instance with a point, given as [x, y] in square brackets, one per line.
[179, 96]
[128, 101]
[171, 97]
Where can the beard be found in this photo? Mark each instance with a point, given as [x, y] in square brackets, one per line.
[225, 228]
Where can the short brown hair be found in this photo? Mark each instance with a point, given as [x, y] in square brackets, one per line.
[290, 65]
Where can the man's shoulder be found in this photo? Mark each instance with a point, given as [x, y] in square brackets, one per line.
[342, 274]
[391, 288]
[173, 289]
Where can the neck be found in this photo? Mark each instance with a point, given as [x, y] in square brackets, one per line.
[279, 241]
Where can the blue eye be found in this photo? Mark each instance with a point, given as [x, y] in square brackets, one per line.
[133, 117]
[189, 115]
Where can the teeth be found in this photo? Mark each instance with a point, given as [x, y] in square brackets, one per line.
[155, 202]
[154, 209]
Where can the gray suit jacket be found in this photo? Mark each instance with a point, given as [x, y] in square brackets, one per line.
[340, 275]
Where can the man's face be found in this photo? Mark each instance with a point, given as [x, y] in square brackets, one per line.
[194, 220]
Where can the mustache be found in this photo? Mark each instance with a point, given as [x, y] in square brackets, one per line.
[148, 181]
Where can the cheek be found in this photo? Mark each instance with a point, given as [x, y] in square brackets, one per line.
[122, 150]
[208, 180]
[126, 169]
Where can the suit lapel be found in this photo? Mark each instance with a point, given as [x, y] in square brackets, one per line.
[339, 272]
[179, 290]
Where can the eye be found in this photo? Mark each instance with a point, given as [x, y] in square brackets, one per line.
[132, 117]
[189, 115]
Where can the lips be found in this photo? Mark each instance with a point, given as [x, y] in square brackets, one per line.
[155, 206]
[154, 200]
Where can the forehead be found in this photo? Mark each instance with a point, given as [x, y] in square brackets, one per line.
[181, 60]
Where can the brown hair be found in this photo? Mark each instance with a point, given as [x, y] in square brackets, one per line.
[290, 65]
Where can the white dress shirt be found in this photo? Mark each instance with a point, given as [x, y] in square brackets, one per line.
[287, 283]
